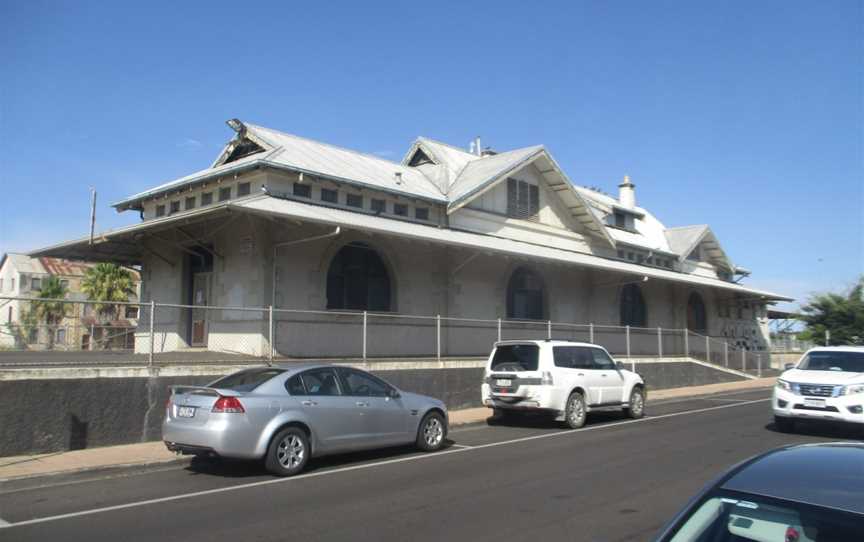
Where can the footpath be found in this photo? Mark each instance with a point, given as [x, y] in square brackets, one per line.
[152, 453]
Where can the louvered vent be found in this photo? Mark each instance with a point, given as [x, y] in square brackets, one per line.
[523, 200]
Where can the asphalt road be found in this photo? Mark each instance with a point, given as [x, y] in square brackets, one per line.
[613, 480]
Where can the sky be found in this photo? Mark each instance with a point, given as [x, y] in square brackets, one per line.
[743, 115]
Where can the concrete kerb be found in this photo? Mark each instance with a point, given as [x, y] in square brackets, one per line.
[150, 454]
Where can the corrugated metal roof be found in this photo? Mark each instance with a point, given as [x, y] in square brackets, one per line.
[683, 239]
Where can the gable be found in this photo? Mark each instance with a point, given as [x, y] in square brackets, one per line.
[419, 158]
[525, 195]
[245, 147]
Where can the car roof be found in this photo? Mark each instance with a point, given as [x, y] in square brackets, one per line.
[548, 341]
[825, 474]
[847, 348]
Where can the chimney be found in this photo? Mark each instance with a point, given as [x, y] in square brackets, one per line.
[627, 193]
[478, 150]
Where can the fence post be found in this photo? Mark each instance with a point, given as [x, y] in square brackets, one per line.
[92, 336]
[707, 349]
[659, 342]
[591, 333]
[549, 329]
[438, 337]
[743, 359]
[270, 339]
[152, 334]
[726, 353]
[759, 365]
[499, 330]
[686, 343]
[364, 336]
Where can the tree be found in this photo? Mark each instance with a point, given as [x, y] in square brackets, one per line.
[841, 315]
[108, 284]
[51, 312]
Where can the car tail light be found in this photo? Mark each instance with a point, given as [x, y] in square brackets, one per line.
[228, 405]
[546, 379]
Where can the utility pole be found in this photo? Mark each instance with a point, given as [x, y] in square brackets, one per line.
[92, 213]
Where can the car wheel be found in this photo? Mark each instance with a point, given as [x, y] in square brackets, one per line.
[575, 412]
[288, 452]
[432, 431]
[784, 425]
[637, 403]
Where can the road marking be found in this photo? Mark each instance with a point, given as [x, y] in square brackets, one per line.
[720, 400]
[367, 466]
[460, 446]
[4, 523]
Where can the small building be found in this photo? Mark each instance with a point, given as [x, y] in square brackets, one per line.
[80, 328]
[335, 239]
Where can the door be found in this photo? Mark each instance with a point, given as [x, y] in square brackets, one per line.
[200, 298]
[574, 367]
[384, 418]
[334, 417]
[611, 379]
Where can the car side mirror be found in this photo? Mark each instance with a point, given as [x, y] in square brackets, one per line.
[619, 365]
[394, 393]
[788, 366]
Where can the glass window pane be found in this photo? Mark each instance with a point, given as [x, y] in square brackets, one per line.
[294, 385]
[362, 384]
[320, 382]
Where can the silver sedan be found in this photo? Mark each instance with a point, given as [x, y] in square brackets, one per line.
[287, 414]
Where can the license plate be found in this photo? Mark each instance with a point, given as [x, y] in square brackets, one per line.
[185, 411]
[504, 383]
[814, 402]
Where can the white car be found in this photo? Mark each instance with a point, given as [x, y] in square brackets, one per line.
[565, 379]
[826, 384]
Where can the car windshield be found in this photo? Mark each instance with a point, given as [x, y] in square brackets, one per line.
[245, 380]
[852, 362]
[732, 516]
[516, 357]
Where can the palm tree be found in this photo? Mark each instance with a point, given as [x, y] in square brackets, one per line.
[51, 312]
[108, 283]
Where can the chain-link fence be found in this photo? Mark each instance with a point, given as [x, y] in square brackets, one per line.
[155, 332]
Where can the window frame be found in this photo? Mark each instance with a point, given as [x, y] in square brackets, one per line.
[400, 209]
[343, 373]
[193, 200]
[378, 205]
[159, 211]
[358, 200]
[335, 376]
[174, 207]
[206, 198]
[301, 190]
[418, 211]
[328, 192]
[224, 194]
[244, 189]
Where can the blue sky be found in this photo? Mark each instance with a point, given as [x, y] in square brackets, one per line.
[743, 115]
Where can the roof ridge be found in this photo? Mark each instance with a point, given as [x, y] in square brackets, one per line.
[691, 226]
[454, 147]
[332, 146]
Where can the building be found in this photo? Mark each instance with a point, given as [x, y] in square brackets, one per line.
[336, 239]
[22, 276]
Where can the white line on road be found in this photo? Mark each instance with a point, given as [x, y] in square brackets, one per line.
[719, 400]
[460, 446]
[367, 466]
[4, 523]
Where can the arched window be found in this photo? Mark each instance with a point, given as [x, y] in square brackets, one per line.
[358, 280]
[696, 319]
[632, 306]
[525, 295]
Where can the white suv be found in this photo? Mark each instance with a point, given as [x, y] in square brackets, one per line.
[826, 384]
[566, 379]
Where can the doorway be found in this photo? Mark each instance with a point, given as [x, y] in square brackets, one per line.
[200, 272]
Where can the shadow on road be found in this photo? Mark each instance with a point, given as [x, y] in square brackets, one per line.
[828, 429]
[529, 420]
[231, 468]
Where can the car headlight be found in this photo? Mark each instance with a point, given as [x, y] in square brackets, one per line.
[853, 389]
[782, 384]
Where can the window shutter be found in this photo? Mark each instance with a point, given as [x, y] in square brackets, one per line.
[512, 197]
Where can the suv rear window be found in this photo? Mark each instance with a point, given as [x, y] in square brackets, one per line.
[516, 357]
[246, 380]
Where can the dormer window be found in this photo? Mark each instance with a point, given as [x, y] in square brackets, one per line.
[419, 159]
[622, 219]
